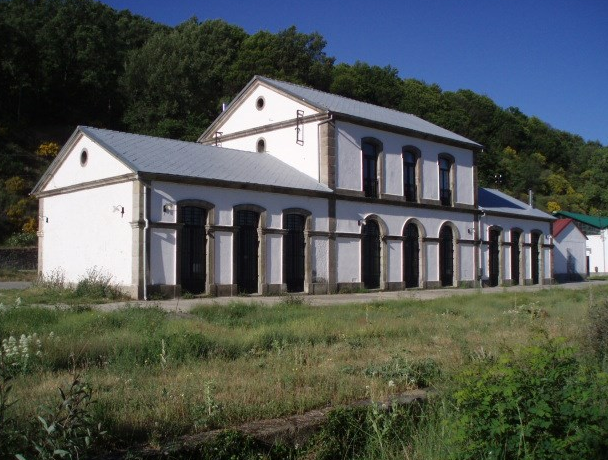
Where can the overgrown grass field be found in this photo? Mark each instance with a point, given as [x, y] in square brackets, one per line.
[157, 375]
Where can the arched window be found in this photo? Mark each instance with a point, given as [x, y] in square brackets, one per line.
[410, 167]
[370, 150]
[411, 256]
[370, 254]
[293, 252]
[445, 180]
[515, 256]
[446, 256]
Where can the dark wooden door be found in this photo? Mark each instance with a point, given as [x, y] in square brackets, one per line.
[370, 255]
[293, 252]
[535, 255]
[246, 251]
[494, 256]
[411, 256]
[515, 257]
[193, 249]
[446, 257]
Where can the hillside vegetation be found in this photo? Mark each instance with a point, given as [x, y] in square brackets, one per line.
[70, 62]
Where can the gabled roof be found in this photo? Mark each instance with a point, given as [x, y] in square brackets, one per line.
[495, 201]
[340, 105]
[595, 221]
[180, 159]
[561, 224]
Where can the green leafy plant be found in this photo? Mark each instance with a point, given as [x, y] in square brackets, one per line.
[415, 373]
[544, 404]
[597, 331]
[97, 283]
[9, 435]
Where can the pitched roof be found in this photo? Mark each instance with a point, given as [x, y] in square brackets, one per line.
[594, 221]
[495, 201]
[155, 155]
[561, 224]
[333, 103]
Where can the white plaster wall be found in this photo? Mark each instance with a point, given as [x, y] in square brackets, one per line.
[348, 167]
[223, 257]
[162, 256]
[597, 249]
[320, 259]
[100, 165]
[570, 243]
[432, 260]
[281, 143]
[86, 229]
[349, 260]
[274, 259]
[277, 108]
[224, 200]
[395, 258]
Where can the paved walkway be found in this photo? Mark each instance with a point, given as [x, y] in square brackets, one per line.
[185, 305]
[14, 284]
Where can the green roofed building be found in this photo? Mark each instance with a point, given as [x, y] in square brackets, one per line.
[595, 229]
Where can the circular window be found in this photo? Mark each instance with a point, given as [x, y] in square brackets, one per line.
[84, 157]
[259, 103]
[261, 146]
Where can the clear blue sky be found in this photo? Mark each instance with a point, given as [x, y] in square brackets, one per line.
[547, 57]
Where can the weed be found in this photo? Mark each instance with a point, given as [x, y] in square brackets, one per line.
[413, 373]
[97, 283]
[597, 331]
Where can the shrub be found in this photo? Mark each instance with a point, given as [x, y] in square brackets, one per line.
[96, 283]
[21, 240]
[414, 373]
[544, 404]
[597, 331]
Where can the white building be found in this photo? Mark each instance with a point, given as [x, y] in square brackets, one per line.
[595, 228]
[290, 189]
[570, 252]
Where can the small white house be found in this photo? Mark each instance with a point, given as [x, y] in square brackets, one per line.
[289, 190]
[595, 228]
[570, 253]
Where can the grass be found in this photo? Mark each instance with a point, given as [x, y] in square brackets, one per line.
[157, 375]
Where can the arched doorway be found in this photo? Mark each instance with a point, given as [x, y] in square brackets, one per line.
[446, 256]
[535, 257]
[193, 253]
[370, 255]
[494, 256]
[515, 256]
[411, 256]
[246, 250]
[293, 252]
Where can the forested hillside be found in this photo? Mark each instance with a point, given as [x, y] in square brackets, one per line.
[70, 62]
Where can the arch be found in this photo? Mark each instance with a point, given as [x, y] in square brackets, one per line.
[536, 256]
[412, 261]
[495, 255]
[447, 179]
[517, 259]
[449, 261]
[372, 164]
[297, 224]
[249, 248]
[195, 252]
[412, 173]
[260, 145]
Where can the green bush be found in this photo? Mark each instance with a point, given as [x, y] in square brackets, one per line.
[544, 404]
[597, 332]
[21, 240]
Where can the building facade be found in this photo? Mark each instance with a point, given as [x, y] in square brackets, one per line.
[289, 190]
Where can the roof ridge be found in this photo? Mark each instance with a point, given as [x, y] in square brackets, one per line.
[343, 97]
[139, 135]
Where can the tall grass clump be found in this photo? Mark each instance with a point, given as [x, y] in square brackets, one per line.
[597, 331]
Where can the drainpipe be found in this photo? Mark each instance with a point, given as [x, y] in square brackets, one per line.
[480, 262]
[145, 242]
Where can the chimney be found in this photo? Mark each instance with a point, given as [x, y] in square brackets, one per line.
[223, 106]
[531, 198]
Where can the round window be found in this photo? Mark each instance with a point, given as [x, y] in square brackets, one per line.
[84, 157]
[259, 103]
[261, 146]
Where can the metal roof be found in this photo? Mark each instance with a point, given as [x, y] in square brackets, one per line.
[495, 201]
[594, 221]
[155, 155]
[362, 110]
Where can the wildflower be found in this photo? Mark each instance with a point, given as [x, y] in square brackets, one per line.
[391, 383]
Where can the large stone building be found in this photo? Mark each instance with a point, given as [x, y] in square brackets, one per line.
[289, 190]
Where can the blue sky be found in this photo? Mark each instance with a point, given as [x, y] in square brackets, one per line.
[547, 57]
